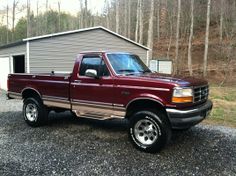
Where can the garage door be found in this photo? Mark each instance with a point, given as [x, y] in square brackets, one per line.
[4, 71]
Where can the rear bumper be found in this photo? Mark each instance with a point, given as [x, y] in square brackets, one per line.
[182, 119]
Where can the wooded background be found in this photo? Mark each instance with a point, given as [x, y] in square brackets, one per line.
[198, 35]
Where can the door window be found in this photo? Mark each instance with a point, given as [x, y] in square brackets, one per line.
[95, 63]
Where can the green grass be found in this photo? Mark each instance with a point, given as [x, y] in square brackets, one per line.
[224, 106]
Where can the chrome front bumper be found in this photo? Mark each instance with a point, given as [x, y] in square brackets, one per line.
[181, 119]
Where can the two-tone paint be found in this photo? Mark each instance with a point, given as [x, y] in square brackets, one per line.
[103, 98]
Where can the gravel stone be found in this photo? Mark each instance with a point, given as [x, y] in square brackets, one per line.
[68, 146]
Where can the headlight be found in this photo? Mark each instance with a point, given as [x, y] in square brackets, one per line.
[182, 95]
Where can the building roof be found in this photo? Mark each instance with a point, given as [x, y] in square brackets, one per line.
[84, 30]
[13, 44]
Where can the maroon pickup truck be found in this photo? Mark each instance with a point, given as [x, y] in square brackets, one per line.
[108, 85]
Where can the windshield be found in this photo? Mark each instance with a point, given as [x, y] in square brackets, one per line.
[127, 64]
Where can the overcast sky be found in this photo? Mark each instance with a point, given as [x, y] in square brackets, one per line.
[70, 6]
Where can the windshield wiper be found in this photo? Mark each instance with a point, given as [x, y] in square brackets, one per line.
[126, 70]
[144, 71]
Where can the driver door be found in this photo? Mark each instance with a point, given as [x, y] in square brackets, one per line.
[93, 96]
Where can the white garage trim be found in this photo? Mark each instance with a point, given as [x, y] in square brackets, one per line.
[5, 70]
[11, 64]
[27, 56]
[148, 58]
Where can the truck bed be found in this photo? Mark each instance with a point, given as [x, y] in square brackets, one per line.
[49, 86]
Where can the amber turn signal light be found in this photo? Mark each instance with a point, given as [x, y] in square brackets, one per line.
[182, 99]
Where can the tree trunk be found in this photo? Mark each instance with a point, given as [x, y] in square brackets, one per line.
[81, 16]
[59, 16]
[206, 38]
[129, 17]
[190, 41]
[141, 22]
[85, 13]
[126, 19]
[170, 34]
[117, 17]
[46, 18]
[150, 30]
[176, 62]
[13, 18]
[108, 14]
[221, 20]
[137, 22]
[37, 22]
[28, 19]
[158, 20]
[7, 24]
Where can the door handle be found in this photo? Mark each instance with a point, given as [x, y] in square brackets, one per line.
[77, 81]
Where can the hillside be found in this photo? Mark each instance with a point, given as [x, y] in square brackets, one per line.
[221, 57]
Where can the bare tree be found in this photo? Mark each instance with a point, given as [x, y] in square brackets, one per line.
[129, 17]
[85, 13]
[59, 15]
[126, 18]
[46, 18]
[206, 38]
[176, 62]
[137, 21]
[170, 35]
[221, 20]
[150, 29]
[37, 22]
[107, 6]
[158, 20]
[28, 19]
[190, 41]
[141, 22]
[229, 46]
[117, 17]
[14, 17]
[7, 23]
[81, 15]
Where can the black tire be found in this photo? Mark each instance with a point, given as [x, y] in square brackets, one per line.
[149, 130]
[34, 112]
[74, 116]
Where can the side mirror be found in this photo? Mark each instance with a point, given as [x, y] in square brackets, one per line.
[91, 73]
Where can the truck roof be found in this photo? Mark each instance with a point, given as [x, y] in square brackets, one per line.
[104, 52]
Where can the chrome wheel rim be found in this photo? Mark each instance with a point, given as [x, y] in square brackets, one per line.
[146, 132]
[31, 112]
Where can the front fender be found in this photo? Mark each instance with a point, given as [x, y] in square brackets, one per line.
[146, 97]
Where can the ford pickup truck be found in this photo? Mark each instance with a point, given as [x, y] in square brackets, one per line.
[111, 85]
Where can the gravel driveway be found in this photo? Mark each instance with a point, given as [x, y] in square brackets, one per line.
[87, 147]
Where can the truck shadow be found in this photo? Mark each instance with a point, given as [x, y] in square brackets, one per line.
[67, 118]
[121, 125]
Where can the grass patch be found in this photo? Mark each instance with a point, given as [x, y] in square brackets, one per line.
[224, 106]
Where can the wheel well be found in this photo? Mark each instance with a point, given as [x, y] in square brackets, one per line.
[142, 105]
[30, 93]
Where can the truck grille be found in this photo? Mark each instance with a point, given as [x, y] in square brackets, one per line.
[201, 93]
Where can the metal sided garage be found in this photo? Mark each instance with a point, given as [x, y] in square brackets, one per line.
[57, 52]
[12, 60]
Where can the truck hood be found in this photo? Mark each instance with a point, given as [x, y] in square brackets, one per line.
[176, 80]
